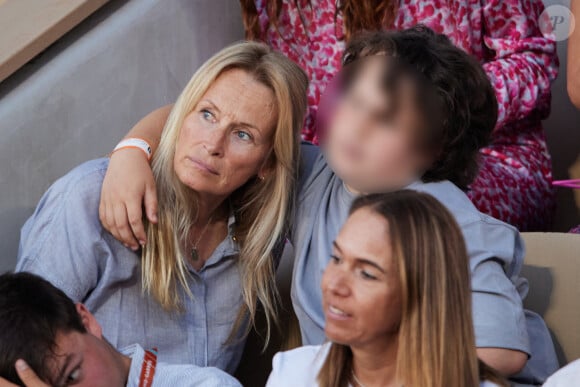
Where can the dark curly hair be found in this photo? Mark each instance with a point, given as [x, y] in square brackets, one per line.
[454, 95]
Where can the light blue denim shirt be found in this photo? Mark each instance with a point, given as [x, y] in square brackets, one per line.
[64, 242]
[495, 249]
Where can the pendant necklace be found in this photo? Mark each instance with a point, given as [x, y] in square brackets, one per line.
[194, 252]
[358, 382]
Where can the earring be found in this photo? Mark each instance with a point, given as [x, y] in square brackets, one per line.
[261, 178]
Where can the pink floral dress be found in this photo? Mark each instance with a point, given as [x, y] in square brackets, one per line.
[514, 183]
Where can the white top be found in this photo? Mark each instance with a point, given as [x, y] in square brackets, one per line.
[565, 377]
[300, 367]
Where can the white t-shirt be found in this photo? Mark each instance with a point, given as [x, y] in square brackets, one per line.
[300, 367]
[565, 377]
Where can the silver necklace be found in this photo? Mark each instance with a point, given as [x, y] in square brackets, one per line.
[357, 381]
[194, 252]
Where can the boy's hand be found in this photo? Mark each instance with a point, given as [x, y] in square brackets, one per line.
[27, 376]
[128, 185]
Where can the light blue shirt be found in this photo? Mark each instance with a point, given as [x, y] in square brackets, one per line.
[172, 375]
[301, 366]
[495, 249]
[64, 242]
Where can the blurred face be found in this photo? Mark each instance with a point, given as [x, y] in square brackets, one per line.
[360, 286]
[370, 150]
[227, 138]
[87, 359]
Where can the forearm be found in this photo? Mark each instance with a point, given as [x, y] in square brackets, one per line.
[151, 126]
[505, 361]
[574, 57]
[524, 63]
[518, 92]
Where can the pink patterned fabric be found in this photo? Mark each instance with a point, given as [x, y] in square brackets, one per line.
[514, 183]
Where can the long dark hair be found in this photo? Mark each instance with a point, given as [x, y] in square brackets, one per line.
[358, 15]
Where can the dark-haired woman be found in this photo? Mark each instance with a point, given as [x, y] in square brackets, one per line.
[397, 283]
[514, 183]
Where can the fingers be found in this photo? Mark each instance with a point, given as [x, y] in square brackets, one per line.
[104, 215]
[122, 229]
[28, 376]
[151, 202]
[116, 220]
[135, 218]
[6, 383]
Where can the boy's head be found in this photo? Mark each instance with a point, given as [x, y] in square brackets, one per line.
[410, 105]
[62, 342]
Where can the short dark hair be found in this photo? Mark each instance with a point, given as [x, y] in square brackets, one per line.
[32, 313]
[455, 97]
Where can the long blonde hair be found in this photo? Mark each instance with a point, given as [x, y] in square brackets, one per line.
[262, 208]
[436, 344]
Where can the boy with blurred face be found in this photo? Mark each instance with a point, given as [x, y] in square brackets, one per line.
[45, 339]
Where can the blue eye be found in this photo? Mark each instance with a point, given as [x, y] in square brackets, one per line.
[243, 135]
[206, 114]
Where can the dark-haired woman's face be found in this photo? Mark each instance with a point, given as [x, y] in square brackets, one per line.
[361, 289]
[370, 145]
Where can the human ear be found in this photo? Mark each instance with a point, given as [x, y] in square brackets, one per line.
[89, 321]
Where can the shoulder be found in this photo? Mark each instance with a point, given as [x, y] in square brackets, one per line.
[473, 223]
[486, 383]
[76, 193]
[483, 234]
[80, 186]
[453, 198]
[192, 376]
[72, 198]
[566, 376]
[458, 203]
[305, 356]
[65, 230]
[84, 178]
[299, 366]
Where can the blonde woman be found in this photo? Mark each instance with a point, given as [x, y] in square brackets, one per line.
[225, 173]
[378, 140]
[397, 301]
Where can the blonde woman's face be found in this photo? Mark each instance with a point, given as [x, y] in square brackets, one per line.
[227, 138]
[360, 286]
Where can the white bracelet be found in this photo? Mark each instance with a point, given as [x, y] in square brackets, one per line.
[135, 142]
